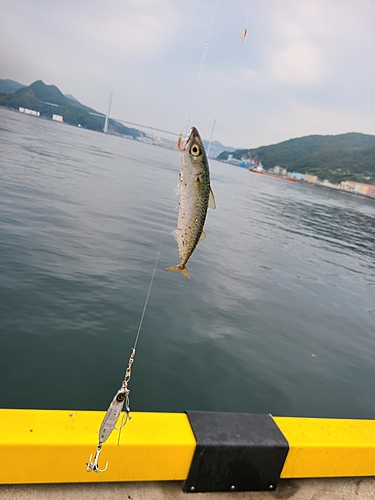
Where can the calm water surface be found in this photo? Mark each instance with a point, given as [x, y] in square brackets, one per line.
[279, 315]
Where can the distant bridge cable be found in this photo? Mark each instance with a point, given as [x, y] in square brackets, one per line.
[146, 126]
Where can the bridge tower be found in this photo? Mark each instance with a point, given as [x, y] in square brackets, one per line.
[105, 129]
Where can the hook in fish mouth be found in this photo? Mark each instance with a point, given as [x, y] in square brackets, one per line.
[192, 134]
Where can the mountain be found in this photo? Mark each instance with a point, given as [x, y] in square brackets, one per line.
[49, 100]
[70, 96]
[46, 93]
[9, 86]
[333, 157]
[216, 148]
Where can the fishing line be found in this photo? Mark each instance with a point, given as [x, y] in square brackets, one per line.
[121, 397]
[151, 283]
[127, 374]
[248, 12]
[244, 34]
[201, 66]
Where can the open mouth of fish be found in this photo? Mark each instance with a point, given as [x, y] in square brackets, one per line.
[191, 135]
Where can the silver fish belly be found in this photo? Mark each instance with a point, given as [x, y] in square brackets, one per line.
[195, 196]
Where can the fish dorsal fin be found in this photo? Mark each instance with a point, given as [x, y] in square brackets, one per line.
[211, 200]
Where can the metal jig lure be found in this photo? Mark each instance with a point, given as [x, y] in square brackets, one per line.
[111, 417]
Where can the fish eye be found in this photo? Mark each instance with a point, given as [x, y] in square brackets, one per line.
[195, 150]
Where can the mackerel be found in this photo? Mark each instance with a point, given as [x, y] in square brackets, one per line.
[195, 196]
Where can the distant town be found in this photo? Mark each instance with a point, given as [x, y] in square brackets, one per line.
[255, 165]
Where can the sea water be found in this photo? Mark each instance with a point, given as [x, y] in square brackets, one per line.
[279, 315]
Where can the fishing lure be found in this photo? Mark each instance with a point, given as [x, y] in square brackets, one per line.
[243, 35]
[179, 143]
[111, 417]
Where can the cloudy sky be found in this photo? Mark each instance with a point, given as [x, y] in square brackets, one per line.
[305, 67]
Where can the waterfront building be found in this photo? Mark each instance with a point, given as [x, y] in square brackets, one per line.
[31, 112]
[296, 175]
[358, 188]
[311, 178]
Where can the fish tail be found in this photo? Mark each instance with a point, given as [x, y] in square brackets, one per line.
[181, 268]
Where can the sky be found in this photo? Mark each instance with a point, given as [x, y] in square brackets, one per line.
[305, 67]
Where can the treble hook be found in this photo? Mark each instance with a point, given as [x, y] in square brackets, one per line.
[93, 466]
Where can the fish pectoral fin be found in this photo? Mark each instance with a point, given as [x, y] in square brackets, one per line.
[202, 237]
[174, 234]
[211, 199]
[180, 268]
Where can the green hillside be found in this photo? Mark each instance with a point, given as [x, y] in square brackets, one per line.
[43, 92]
[333, 157]
[9, 86]
[49, 100]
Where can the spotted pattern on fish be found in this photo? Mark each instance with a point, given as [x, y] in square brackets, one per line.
[195, 196]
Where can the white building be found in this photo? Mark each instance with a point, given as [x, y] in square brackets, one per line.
[29, 111]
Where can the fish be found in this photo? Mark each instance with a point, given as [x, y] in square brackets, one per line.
[195, 196]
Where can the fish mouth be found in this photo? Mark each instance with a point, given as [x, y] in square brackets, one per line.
[193, 133]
